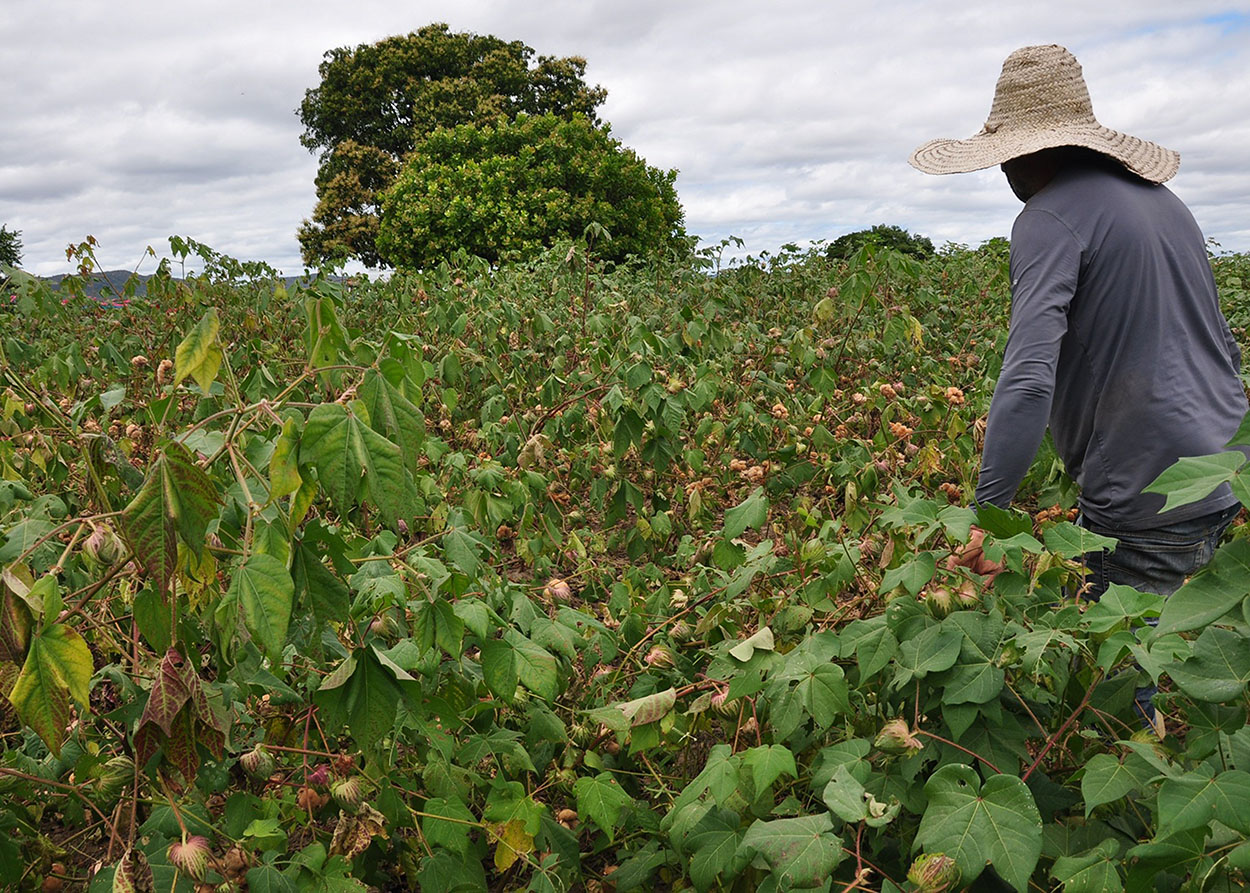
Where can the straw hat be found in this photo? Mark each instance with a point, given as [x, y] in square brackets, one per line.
[1041, 102]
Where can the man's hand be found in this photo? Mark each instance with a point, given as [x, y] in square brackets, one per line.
[972, 556]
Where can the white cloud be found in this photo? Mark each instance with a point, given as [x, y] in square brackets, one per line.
[788, 121]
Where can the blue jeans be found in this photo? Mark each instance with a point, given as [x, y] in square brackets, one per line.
[1156, 560]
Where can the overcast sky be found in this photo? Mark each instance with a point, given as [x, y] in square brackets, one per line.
[788, 120]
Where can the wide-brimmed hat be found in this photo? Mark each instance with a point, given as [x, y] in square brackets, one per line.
[1041, 102]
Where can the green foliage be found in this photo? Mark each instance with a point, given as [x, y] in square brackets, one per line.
[417, 579]
[376, 102]
[895, 238]
[513, 188]
[10, 246]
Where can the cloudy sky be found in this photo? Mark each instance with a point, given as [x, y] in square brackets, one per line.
[788, 120]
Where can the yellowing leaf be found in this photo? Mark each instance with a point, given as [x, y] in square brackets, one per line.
[58, 667]
[199, 355]
[513, 842]
[284, 476]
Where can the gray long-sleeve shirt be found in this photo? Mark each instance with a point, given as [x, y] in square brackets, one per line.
[1118, 341]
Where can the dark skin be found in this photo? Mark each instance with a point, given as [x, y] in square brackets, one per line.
[1029, 174]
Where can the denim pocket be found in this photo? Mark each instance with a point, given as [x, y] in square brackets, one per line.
[1159, 560]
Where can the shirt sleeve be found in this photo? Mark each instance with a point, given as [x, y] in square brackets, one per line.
[1045, 268]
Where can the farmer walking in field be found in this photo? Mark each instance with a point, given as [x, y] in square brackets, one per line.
[1116, 340]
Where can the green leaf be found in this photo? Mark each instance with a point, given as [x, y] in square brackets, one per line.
[284, 476]
[499, 668]
[872, 643]
[537, 668]
[268, 879]
[1195, 477]
[802, 851]
[768, 763]
[461, 550]
[1192, 800]
[447, 824]
[1094, 871]
[1172, 851]
[355, 463]
[1003, 523]
[325, 337]
[750, 513]
[57, 670]
[199, 355]
[264, 591]
[328, 596]
[824, 695]
[435, 624]
[1119, 606]
[935, 649]
[362, 695]
[913, 574]
[628, 431]
[1242, 436]
[1218, 669]
[1107, 779]
[1070, 541]
[849, 801]
[393, 415]
[112, 397]
[973, 823]
[762, 640]
[601, 799]
[177, 501]
[713, 843]
[1211, 593]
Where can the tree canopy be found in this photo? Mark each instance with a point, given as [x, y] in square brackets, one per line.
[517, 186]
[376, 102]
[10, 246]
[884, 236]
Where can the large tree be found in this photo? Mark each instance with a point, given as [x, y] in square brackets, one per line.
[376, 101]
[10, 246]
[517, 186]
[882, 236]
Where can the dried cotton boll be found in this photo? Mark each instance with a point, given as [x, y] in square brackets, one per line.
[162, 371]
[559, 591]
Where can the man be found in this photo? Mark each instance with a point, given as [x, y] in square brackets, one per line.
[1116, 340]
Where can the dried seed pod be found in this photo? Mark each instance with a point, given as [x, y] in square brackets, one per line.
[557, 590]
